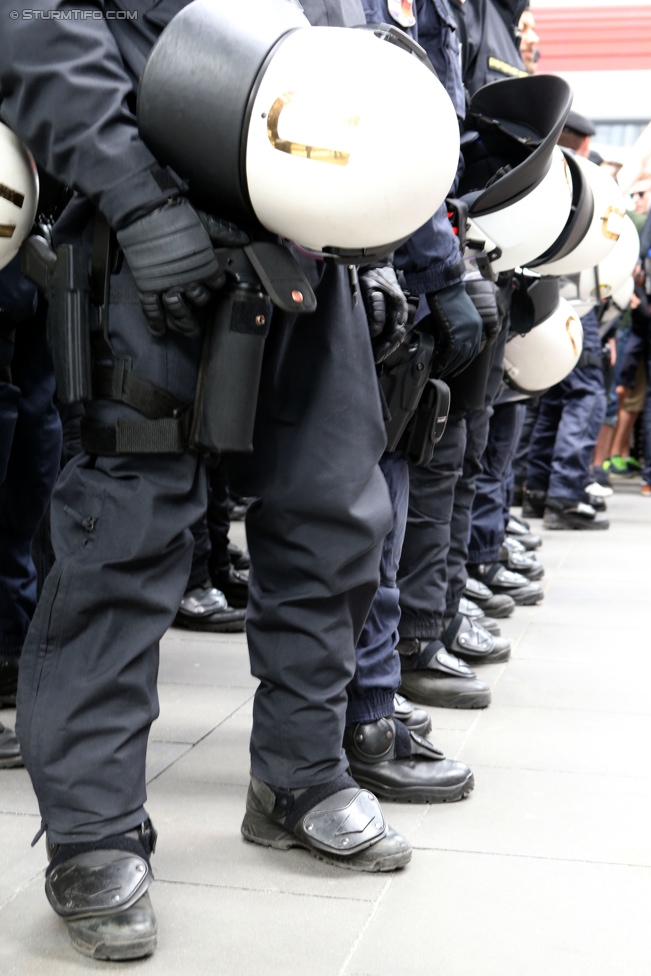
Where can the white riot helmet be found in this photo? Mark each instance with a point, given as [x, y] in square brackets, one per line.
[611, 279]
[594, 225]
[18, 194]
[312, 132]
[516, 182]
[538, 360]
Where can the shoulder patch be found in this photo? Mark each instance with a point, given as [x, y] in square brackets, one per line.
[506, 69]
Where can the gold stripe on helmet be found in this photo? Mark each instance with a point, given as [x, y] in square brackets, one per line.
[12, 196]
[335, 157]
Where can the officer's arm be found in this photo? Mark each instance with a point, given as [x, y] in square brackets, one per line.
[64, 92]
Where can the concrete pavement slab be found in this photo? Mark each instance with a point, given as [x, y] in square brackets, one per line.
[455, 914]
[565, 740]
[568, 816]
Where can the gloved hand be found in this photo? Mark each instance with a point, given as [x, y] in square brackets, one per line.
[171, 256]
[456, 326]
[386, 309]
[487, 299]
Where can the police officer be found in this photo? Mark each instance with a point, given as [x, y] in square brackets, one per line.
[563, 439]
[490, 36]
[435, 637]
[122, 509]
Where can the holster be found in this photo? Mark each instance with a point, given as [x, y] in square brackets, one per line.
[468, 388]
[428, 423]
[231, 363]
[403, 378]
[262, 274]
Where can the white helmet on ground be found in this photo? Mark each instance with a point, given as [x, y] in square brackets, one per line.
[18, 194]
[594, 225]
[549, 352]
[312, 132]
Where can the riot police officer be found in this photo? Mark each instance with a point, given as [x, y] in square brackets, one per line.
[122, 510]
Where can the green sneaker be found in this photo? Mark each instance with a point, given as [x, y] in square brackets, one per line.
[618, 466]
[633, 465]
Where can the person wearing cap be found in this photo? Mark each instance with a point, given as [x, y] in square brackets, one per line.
[577, 133]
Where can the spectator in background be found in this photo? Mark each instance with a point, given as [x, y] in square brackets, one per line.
[626, 392]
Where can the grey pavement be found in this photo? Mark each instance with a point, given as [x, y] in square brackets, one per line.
[545, 870]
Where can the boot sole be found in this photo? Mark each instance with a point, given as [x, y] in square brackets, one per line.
[15, 762]
[499, 612]
[225, 627]
[461, 699]
[415, 794]
[553, 522]
[114, 953]
[528, 601]
[477, 659]
[258, 830]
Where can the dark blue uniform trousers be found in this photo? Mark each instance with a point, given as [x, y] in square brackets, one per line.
[30, 449]
[568, 423]
[432, 571]
[493, 484]
[377, 671]
[121, 534]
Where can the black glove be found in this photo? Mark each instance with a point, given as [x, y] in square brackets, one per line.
[487, 299]
[386, 309]
[170, 253]
[456, 326]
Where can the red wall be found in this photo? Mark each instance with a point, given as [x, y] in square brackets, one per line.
[592, 39]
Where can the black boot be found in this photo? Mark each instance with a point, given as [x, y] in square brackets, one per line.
[468, 639]
[416, 719]
[233, 584]
[337, 822]
[402, 766]
[475, 613]
[533, 502]
[101, 891]
[432, 676]
[205, 608]
[494, 604]
[567, 513]
[514, 556]
[502, 580]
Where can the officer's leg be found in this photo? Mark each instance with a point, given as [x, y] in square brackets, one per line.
[30, 440]
[429, 674]
[384, 756]
[87, 684]
[227, 577]
[583, 412]
[205, 607]
[584, 409]
[541, 452]
[315, 534]
[25, 492]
